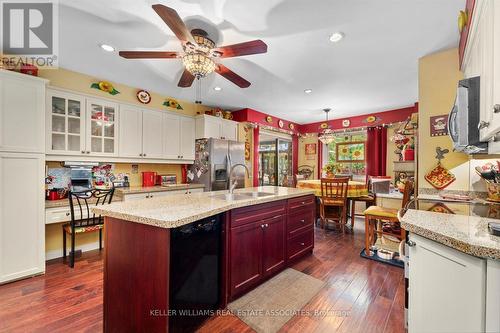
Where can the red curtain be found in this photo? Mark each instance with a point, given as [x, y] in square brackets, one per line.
[376, 151]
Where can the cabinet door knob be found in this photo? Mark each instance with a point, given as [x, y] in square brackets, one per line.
[262, 226]
[140, 154]
[411, 243]
[303, 203]
[88, 151]
[482, 124]
[67, 214]
[143, 154]
[302, 244]
[302, 221]
[83, 151]
[496, 108]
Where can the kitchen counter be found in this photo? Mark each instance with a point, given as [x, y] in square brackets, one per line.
[65, 202]
[121, 191]
[468, 234]
[174, 211]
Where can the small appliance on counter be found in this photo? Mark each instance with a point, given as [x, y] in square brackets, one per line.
[148, 178]
[166, 180]
[81, 175]
[56, 194]
[121, 183]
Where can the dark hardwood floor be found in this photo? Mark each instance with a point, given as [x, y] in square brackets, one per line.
[360, 295]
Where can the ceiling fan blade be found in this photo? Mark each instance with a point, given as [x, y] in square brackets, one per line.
[241, 49]
[174, 22]
[186, 79]
[232, 76]
[148, 54]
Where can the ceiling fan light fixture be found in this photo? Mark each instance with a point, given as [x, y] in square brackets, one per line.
[198, 64]
[217, 88]
[337, 37]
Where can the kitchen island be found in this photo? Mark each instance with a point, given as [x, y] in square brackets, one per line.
[168, 254]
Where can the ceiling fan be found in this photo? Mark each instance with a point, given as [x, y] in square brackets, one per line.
[199, 51]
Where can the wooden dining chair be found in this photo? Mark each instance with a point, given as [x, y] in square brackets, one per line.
[82, 219]
[333, 201]
[376, 217]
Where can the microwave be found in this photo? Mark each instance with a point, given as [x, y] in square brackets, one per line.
[463, 121]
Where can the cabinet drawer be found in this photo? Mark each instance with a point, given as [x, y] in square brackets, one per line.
[300, 243]
[242, 216]
[58, 215]
[299, 221]
[300, 203]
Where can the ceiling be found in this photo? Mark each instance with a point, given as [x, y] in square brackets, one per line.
[374, 68]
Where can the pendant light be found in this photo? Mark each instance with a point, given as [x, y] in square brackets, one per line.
[327, 136]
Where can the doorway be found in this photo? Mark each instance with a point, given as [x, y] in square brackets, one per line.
[275, 159]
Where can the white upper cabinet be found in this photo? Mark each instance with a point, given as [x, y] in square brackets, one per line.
[130, 143]
[215, 127]
[102, 127]
[152, 134]
[66, 123]
[172, 136]
[482, 58]
[89, 127]
[187, 138]
[22, 112]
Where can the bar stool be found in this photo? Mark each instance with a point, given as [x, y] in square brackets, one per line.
[382, 215]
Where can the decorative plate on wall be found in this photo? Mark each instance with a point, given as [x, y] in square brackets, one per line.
[291, 126]
[346, 123]
[143, 96]
[323, 125]
[269, 119]
[280, 123]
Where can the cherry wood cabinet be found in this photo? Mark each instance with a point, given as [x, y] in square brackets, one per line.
[264, 238]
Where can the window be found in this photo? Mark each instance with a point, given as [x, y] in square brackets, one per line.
[347, 153]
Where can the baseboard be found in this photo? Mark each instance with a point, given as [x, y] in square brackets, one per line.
[54, 254]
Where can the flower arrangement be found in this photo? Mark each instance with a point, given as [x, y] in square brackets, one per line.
[329, 169]
[105, 86]
[172, 103]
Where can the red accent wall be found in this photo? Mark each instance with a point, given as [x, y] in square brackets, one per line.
[254, 116]
[256, 156]
[386, 117]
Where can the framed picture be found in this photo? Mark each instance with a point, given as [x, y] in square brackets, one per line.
[439, 125]
[353, 151]
[310, 149]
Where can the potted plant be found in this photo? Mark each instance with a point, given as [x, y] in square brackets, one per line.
[329, 170]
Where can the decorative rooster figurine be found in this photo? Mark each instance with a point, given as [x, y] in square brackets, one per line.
[440, 153]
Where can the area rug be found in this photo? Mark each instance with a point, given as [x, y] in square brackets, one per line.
[268, 307]
[393, 262]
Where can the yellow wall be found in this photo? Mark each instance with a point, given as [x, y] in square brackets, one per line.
[302, 155]
[79, 82]
[438, 77]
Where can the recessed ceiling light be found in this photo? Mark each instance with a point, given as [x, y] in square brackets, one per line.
[308, 91]
[337, 37]
[107, 48]
[217, 88]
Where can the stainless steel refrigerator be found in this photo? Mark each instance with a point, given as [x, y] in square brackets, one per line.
[213, 162]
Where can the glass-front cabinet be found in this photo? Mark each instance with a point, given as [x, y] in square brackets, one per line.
[79, 125]
[66, 122]
[101, 127]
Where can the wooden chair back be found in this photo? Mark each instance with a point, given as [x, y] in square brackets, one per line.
[82, 201]
[407, 193]
[334, 188]
[305, 170]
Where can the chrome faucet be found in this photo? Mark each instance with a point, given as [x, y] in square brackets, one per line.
[232, 185]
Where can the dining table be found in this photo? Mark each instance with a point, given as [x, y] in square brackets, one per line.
[355, 189]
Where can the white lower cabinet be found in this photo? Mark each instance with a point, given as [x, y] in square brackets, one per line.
[447, 289]
[22, 225]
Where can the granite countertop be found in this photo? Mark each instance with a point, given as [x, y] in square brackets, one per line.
[390, 195]
[172, 211]
[468, 234]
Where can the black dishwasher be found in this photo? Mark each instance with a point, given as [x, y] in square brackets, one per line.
[195, 273]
